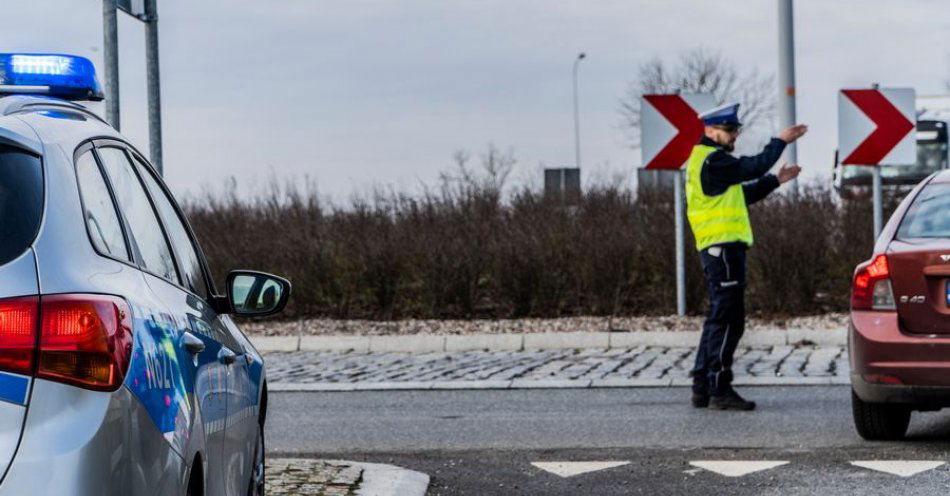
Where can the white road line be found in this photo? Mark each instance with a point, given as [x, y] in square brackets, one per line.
[732, 468]
[903, 468]
[570, 469]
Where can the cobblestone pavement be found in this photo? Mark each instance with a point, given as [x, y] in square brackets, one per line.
[600, 366]
[294, 476]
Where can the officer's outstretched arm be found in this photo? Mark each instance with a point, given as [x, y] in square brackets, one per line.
[722, 170]
[756, 165]
[760, 188]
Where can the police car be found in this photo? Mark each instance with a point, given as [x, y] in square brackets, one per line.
[121, 369]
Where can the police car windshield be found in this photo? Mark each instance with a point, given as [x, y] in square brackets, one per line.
[929, 216]
[21, 201]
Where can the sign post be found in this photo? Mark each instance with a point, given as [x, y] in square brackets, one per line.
[669, 129]
[877, 200]
[678, 214]
[110, 54]
[154, 86]
[147, 12]
[786, 78]
[875, 128]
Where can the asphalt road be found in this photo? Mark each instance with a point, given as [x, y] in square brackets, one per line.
[484, 442]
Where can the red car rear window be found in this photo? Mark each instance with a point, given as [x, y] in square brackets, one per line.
[929, 215]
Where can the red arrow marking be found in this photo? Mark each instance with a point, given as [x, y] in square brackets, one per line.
[688, 125]
[892, 127]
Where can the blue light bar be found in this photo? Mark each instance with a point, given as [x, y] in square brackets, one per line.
[64, 76]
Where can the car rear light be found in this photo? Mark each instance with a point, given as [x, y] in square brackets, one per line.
[18, 334]
[85, 340]
[882, 379]
[871, 288]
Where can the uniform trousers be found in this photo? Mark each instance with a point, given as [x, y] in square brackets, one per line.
[725, 269]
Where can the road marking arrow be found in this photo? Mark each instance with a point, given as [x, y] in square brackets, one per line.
[903, 468]
[688, 126]
[891, 128]
[570, 469]
[736, 468]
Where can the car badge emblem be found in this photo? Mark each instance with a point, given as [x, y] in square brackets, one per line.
[945, 258]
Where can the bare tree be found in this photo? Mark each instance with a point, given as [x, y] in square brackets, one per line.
[492, 176]
[700, 71]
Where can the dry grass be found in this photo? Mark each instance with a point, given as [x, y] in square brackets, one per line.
[466, 251]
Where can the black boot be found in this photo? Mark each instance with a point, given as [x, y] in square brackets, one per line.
[730, 401]
[700, 400]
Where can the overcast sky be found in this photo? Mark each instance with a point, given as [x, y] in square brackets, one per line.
[356, 93]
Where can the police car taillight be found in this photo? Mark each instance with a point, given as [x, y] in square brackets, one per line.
[85, 340]
[64, 76]
[18, 324]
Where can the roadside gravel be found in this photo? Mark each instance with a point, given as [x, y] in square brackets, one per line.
[308, 477]
[327, 327]
[303, 477]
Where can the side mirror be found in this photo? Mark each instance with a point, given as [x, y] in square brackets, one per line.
[256, 294]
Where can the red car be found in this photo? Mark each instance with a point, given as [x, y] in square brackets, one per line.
[899, 339]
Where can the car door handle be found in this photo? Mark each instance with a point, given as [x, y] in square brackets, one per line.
[226, 356]
[192, 343]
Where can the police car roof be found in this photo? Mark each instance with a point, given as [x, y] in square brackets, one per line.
[13, 104]
[52, 120]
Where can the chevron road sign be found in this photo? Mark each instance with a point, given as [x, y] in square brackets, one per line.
[875, 126]
[669, 128]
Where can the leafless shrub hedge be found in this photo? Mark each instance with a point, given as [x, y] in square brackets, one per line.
[465, 250]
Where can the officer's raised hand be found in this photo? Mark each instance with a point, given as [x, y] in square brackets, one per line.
[792, 133]
[788, 172]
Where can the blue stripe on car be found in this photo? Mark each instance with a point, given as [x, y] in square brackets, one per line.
[14, 388]
[155, 374]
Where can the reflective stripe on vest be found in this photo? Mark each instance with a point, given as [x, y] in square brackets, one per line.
[716, 219]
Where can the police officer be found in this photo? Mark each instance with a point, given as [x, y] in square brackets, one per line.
[719, 187]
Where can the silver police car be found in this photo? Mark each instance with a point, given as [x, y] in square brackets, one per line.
[121, 369]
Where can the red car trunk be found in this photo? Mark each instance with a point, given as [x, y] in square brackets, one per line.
[920, 274]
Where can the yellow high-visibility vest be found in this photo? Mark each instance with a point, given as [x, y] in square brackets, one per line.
[715, 219]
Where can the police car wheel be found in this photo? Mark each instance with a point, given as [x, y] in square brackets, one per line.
[255, 486]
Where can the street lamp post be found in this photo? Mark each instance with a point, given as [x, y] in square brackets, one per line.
[786, 78]
[577, 124]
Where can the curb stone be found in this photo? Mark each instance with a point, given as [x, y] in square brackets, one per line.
[476, 342]
[310, 477]
[389, 480]
[431, 343]
[416, 343]
[566, 340]
[665, 339]
[316, 477]
[333, 343]
[546, 384]
[276, 343]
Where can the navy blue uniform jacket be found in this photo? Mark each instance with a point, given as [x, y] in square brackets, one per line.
[723, 170]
